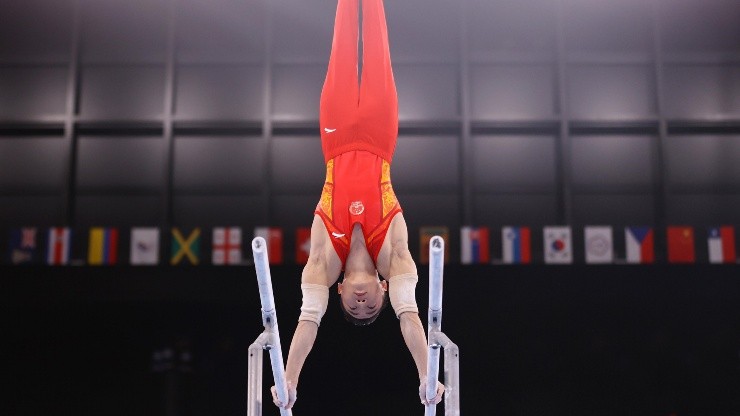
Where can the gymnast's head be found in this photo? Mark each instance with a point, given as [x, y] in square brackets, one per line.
[362, 296]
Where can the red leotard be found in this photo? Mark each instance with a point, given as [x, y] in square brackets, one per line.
[359, 127]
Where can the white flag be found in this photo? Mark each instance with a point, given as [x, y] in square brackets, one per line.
[227, 246]
[599, 244]
[558, 245]
[145, 246]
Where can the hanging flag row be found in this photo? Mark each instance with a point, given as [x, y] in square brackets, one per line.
[225, 245]
[107, 246]
[599, 245]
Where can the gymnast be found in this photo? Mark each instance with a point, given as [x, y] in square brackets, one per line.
[358, 224]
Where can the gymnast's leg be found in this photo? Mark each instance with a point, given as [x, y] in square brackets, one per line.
[340, 93]
[378, 96]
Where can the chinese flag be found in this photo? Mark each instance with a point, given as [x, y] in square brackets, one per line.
[302, 244]
[681, 245]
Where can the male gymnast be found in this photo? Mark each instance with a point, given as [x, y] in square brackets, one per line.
[358, 224]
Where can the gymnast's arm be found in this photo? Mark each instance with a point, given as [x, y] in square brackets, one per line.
[321, 272]
[303, 340]
[413, 334]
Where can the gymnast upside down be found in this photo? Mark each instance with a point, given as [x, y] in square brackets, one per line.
[358, 224]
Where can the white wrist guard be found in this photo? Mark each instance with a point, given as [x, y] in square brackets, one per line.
[315, 299]
[402, 291]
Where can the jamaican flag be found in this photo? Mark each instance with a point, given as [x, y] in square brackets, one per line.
[185, 246]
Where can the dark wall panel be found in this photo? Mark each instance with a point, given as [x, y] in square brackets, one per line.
[298, 165]
[512, 92]
[611, 92]
[703, 209]
[427, 92]
[213, 164]
[504, 163]
[219, 210]
[613, 161]
[614, 209]
[703, 161]
[33, 93]
[217, 92]
[293, 211]
[515, 209]
[106, 164]
[122, 92]
[40, 30]
[296, 91]
[423, 32]
[302, 30]
[32, 210]
[33, 164]
[696, 91]
[233, 30]
[124, 31]
[511, 26]
[118, 210]
[603, 26]
[424, 163]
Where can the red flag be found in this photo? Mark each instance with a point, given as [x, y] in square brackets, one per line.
[274, 238]
[681, 245]
[302, 244]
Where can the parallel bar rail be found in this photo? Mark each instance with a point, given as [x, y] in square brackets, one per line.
[438, 340]
[269, 339]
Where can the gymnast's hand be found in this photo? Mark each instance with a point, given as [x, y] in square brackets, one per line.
[292, 395]
[423, 393]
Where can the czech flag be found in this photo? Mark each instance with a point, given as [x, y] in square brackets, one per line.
[640, 245]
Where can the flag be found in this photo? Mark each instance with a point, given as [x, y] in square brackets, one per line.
[599, 244]
[145, 246]
[302, 244]
[721, 243]
[23, 245]
[227, 245]
[274, 238]
[681, 245]
[426, 234]
[103, 246]
[58, 246]
[558, 246]
[185, 249]
[640, 245]
[474, 247]
[517, 246]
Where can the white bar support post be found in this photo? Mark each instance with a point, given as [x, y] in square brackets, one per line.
[438, 340]
[268, 340]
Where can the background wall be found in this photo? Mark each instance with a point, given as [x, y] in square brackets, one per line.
[537, 112]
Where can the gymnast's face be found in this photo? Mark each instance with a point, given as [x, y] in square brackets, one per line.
[362, 297]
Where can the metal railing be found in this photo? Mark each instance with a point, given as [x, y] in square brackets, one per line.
[438, 340]
[268, 340]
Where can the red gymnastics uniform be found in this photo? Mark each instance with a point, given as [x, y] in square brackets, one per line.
[359, 128]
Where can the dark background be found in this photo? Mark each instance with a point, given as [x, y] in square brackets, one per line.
[564, 340]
